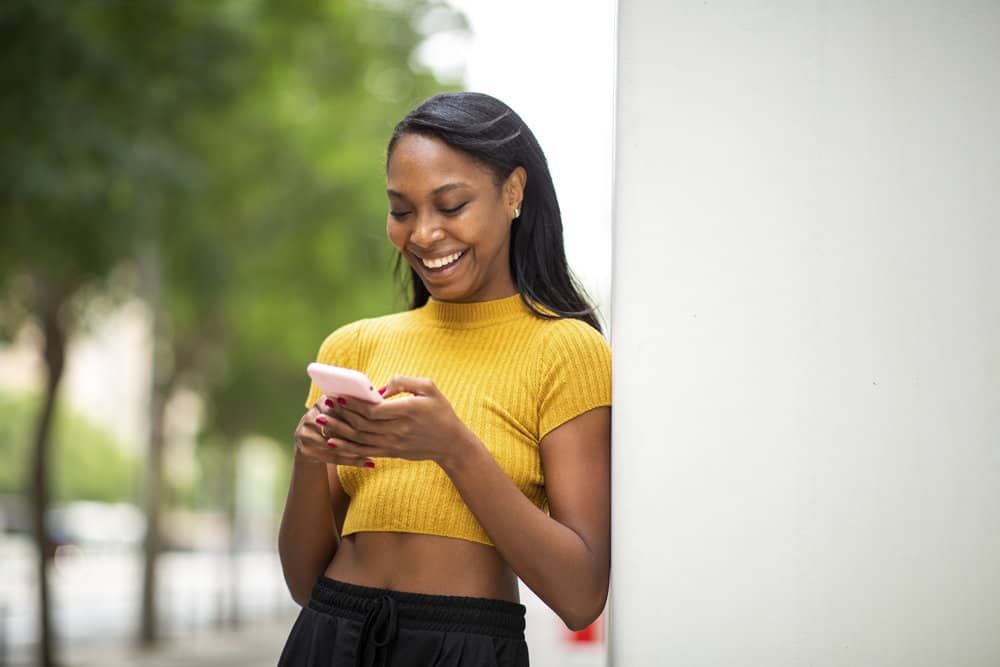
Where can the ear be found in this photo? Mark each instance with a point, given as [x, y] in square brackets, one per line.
[513, 188]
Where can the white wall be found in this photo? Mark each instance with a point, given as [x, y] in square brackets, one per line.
[806, 310]
[553, 63]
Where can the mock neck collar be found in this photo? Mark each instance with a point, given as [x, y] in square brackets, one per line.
[475, 313]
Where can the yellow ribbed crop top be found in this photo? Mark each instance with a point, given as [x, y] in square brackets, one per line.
[510, 376]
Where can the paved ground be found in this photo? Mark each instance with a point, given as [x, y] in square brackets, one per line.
[259, 645]
[96, 602]
[253, 646]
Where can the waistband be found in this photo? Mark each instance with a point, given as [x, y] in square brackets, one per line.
[419, 611]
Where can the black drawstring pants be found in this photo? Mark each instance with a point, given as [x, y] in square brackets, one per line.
[356, 626]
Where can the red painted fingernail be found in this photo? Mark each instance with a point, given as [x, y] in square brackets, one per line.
[340, 399]
[329, 403]
[331, 443]
[382, 390]
[321, 420]
[369, 464]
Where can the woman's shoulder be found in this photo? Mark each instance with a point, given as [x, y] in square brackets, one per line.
[388, 324]
[340, 344]
[573, 372]
[367, 328]
[567, 346]
[570, 332]
[351, 343]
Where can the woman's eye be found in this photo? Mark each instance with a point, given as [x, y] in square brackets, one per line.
[399, 215]
[453, 211]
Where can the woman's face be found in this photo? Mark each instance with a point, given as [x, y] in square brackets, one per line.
[449, 219]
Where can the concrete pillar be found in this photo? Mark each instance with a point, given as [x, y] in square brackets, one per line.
[806, 312]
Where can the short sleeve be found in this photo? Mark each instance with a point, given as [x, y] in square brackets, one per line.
[576, 376]
[339, 349]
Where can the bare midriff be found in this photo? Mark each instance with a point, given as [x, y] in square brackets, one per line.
[428, 564]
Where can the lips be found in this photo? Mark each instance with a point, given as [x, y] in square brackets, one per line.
[443, 262]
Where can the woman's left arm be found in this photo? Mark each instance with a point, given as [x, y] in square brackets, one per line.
[565, 556]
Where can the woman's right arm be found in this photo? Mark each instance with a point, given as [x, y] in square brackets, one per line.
[314, 511]
[316, 504]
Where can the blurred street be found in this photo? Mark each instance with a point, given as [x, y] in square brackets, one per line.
[257, 645]
[96, 610]
[96, 606]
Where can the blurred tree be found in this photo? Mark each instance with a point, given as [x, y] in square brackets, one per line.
[88, 463]
[234, 151]
[97, 91]
[303, 197]
[308, 191]
[63, 220]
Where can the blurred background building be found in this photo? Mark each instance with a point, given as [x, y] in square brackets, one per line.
[193, 196]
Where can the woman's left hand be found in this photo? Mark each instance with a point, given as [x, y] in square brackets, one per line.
[422, 426]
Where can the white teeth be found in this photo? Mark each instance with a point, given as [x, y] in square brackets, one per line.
[440, 261]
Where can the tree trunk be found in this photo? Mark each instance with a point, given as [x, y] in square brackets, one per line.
[55, 358]
[229, 490]
[162, 383]
[153, 505]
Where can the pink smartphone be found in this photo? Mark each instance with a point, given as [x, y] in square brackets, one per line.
[337, 381]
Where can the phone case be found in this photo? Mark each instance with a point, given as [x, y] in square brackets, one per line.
[337, 381]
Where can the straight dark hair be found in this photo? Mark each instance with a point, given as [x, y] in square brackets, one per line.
[489, 131]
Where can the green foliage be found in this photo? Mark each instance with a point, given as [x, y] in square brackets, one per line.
[87, 462]
[302, 247]
[243, 140]
[92, 92]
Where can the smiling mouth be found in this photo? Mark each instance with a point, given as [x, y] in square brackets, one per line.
[439, 263]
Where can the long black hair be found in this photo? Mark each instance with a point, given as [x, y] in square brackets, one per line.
[489, 131]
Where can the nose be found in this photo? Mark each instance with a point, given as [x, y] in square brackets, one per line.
[426, 231]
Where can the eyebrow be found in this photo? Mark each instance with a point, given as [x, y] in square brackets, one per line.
[444, 188]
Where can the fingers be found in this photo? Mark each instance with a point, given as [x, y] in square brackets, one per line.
[330, 409]
[362, 415]
[416, 386]
[336, 452]
[350, 453]
[342, 424]
[312, 439]
[325, 404]
[366, 419]
[349, 431]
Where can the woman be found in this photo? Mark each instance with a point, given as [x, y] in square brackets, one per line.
[408, 523]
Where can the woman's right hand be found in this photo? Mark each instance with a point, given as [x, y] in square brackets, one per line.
[312, 441]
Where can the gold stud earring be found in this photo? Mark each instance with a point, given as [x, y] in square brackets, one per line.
[517, 212]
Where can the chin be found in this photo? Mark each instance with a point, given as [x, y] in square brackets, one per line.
[447, 294]
[450, 291]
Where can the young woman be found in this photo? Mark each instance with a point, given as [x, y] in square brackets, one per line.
[408, 523]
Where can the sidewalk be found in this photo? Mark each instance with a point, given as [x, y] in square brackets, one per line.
[257, 645]
[260, 644]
